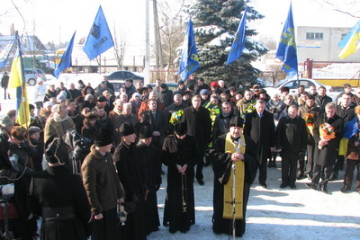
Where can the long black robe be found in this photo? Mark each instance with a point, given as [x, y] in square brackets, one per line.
[57, 187]
[176, 151]
[151, 176]
[222, 169]
[130, 172]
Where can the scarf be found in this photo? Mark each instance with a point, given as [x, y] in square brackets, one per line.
[239, 174]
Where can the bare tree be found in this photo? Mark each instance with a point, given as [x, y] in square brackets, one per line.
[347, 7]
[119, 48]
[172, 33]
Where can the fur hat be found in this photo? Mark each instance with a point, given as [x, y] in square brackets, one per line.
[33, 129]
[180, 128]
[236, 122]
[103, 138]
[145, 130]
[56, 151]
[126, 129]
[5, 122]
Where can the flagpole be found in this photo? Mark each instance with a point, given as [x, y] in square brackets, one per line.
[147, 44]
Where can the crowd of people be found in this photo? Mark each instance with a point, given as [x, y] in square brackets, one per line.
[106, 152]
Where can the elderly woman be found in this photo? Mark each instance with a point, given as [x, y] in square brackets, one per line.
[353, 153]
[58, 123]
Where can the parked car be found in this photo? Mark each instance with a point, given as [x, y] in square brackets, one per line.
[32, 74]
[123, 75]
[293, 84]
[117, 85]
[171, 86]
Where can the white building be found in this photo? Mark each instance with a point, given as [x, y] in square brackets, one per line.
[321, 44]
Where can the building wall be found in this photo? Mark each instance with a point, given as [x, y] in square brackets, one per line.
[310, 45]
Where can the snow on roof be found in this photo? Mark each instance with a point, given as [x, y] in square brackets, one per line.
[211, 29]
[217, 41]
[338, 70]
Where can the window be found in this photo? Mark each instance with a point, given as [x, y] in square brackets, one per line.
[314, 36]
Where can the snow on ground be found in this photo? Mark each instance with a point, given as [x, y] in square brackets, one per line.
[277, 214]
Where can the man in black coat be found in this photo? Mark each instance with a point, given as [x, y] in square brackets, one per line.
[222, 121]
[326, 149]
[259, 125]
[322, 99]
[198, 123]
[59, 197]
[345, 110]
[165, 95]
[158, 121]
[130, 174]
[291, 135]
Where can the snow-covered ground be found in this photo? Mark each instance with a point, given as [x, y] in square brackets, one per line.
[277, 214]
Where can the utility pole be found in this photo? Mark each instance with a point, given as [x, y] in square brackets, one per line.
[147, 44]
[159, 57]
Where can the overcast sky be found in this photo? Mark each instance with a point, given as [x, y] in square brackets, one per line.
[55, 20]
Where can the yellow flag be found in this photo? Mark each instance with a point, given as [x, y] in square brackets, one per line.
[17, 81]
[350, 43]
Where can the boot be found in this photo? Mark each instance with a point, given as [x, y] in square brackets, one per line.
[311, 185]
[323, 187]
[345, 188]
[334, 175]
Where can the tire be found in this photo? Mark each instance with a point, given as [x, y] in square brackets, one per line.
[31, 82]
[87, 69]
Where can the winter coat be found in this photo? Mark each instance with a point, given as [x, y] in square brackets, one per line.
[327, 155]
[198, 126]
[321, 101]
[166, 97]
[291, 136]
[101, 182]
[56, 187]
[57, 129]
[353, 152]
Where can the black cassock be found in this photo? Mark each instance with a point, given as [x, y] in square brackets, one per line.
[57, 188]
[151, 177]
[130, 171]
[176, 151]
[222, 169]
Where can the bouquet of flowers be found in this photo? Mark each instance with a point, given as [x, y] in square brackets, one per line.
[176, 117]
[326, 132]
[310, 122]
[309, 119]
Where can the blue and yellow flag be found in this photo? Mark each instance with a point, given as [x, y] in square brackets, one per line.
[239, 42]
[99, 39]
[351, 42]
[189, 60]
[4, 54]
[286, 51]
[17, 81]
[65, 61]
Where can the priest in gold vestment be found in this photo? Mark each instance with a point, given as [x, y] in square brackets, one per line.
[234, 167]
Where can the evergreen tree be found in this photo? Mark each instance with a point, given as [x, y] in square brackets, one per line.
[215, 23]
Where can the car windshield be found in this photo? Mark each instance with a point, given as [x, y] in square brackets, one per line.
[280, 83]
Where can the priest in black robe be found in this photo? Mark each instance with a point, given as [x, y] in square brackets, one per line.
[180, 153]
[130, 174]
[148, 155]
[234, 169]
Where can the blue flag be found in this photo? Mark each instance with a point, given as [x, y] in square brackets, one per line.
[286, 51]
[99, 39]
[4, 54]
[239, 41]
[189, 60]
[17, 81]
[65, 61]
